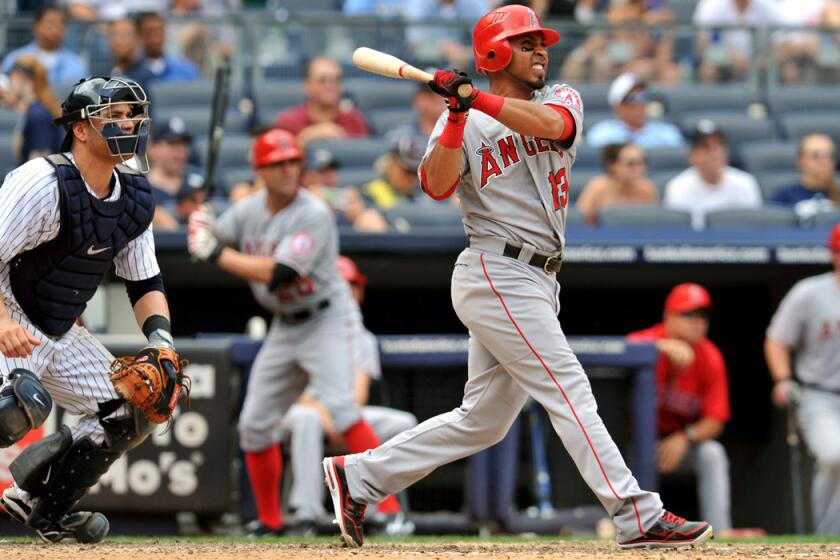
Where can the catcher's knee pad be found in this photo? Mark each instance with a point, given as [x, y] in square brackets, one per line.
[24, 404]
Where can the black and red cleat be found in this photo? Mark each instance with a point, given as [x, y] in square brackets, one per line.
[671, 531]
[349, 514]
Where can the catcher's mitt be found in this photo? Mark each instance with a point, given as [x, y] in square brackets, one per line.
[151, 381]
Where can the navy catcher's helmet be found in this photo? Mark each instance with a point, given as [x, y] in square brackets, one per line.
[90, 98]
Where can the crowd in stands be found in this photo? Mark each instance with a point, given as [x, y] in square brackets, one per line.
[644, 144]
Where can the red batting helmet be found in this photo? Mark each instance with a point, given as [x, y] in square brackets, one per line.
[275, 146]
[348, 270]
[490, 36]
[688, 297]
[834, 238]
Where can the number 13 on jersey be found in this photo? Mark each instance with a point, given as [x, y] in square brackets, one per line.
[559, 188]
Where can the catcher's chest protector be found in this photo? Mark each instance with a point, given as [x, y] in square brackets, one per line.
[54, 281]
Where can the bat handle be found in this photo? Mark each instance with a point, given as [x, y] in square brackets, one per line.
[465, 90]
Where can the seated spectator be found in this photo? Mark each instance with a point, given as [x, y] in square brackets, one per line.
[202, 44]
[439, 43]
[629, 96]
[428, 107]
[124, 43]
[726, 54]
[624, 183]
[398, 182]
[107, 10]
[151, 27]
[177, 188]
[322, 115]
[380, 8]
[692, 404]
[710, 183]
[320, 178]
[63, 66]
[801, 54]
[30, 94]
[817, 189]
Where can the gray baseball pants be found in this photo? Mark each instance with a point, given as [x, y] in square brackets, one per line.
[819, 419]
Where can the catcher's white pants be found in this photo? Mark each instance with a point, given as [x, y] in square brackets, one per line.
[819, 418]
[73, 368]
[517, 349]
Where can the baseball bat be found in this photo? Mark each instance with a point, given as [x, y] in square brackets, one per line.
[377, 62]
[221, 88]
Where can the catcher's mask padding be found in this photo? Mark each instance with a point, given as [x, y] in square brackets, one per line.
[24, 405]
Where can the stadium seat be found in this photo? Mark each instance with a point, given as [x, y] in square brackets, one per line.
[803, 99]
[197, 119]
[233, 151]
[185, 93]
[683, 9]
[7, 157]
[405, 217]
[827, 218]
[379, 93]
[797, 125]
[575, 217]
[679, 100]
[579, 179]
[355, 152]
[275, 96]
[594, 117]
[588, 157]
[739, 127]
[8, 119]
[310, 6]
[594, 97]
[230, 176]
[759, 157]
[766, 216]
[642, 215]
[669, 158]
[356, 176]
[772, 181]
[382, 121]
[661, 178]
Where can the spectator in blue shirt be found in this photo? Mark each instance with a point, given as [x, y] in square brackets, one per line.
[817, 189]
[37, 135]
[381, 8]
[628, 96]
[63, 66]
[447, 43]
[152, 30]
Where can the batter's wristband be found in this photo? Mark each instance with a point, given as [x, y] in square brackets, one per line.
[453, 132]
[488, 103]
[214, 255]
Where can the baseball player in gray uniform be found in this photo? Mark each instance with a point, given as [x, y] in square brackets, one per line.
[807, 324]
[308, 421]
[64, 219]
[284, 242]
[509, 161]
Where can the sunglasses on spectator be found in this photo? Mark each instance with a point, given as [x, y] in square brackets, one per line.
[633, 162]
[327, 78]
[696, 314]
[637, 97]
[819, 154]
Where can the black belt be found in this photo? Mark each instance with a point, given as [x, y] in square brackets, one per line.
[816, 387]
[547, 264]
[303, 314]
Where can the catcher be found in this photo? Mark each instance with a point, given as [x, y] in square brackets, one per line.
[64, 219]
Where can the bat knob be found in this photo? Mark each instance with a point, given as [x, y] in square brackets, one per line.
[465, 90]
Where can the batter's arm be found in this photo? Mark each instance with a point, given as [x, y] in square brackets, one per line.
[534, 119]
[247, 267]
[441, 171]
[777, 355]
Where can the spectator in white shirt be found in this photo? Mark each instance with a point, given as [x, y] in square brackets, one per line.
[710, 183]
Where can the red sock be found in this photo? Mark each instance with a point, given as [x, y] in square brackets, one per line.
[265, 469]
[361, 437]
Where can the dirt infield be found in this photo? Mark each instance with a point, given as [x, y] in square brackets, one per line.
[575, 550]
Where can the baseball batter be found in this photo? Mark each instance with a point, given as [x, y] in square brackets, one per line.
[64, 219]
[284, 242]
[508, 159]
[807, 323]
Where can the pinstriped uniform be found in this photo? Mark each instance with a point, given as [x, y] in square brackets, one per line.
[74, 366]
[513, 190]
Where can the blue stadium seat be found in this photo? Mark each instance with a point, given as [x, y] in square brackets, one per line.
[579, 179]
[7, 158]
[771, 181]
[311, 6]
[379, 93]
[588, 157]
[738, 126]
[185, 93]
[683, 9]
[382, 121]
[356, 176]
[230, 176]
[803, 99]
[356, 152]
[8, 119]
[594, 97]
[766, 216]
[233, 151]
[661, 178]
[827, 218]
[667, 158]
[575, 217]
[275, 96]
[684, 98]
[645, 216]
[760, 157]
[197, 119]
[797, 125]
[407, 217]
[594, 117]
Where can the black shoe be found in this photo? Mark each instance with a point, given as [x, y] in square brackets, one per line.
[349, 514]
[257, 529]
[80, 526]
[671, 531]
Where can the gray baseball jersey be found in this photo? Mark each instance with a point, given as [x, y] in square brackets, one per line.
[808, 321]
[302, 236]
[512, 186]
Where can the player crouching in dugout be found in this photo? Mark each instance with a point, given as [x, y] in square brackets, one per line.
[64, 220]
[692, 399]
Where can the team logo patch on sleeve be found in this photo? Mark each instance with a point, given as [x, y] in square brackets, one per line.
[302, 244]
[568, 96]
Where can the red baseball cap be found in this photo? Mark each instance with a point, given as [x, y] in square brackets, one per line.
[275, 146]
[349, 271]
[834, 238]
[688, 297]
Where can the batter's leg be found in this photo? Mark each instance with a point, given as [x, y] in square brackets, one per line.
[819, 417]
[513, 313]
[307, 452]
